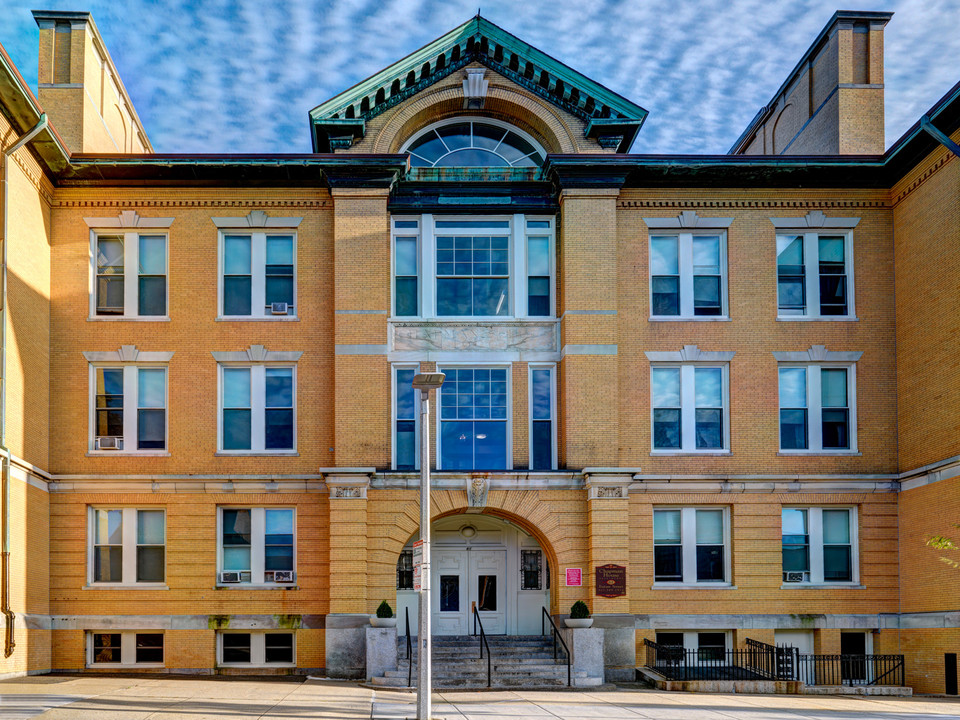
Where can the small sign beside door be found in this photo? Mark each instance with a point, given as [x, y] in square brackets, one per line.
[611, 581]
[417, 565]
[574, 577]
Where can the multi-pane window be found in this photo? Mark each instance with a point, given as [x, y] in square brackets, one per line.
[816, 409]
[687, 276]
[130, 408]
[125, 648]
[131, 276]
[405, 570]
[542, 445]
[818, 545]
[257, 545]
[689, 408]
[814, 275]
[531, 569]
[473, 419]
[689, 545]
[468, 142]
[257, 408]
[405, 419]
[258, 275]
[128, 545]
[473, 271]
[256, 648]
[473, 267]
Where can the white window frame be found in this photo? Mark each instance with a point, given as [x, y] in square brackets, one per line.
[552, 367]
[518, 233]
[686, 271]
[815, 530]
[130, 407]
[688, 544]
[258, 269]
[258, 384]
[257, 648]
[509, 419]
[258, 527]
[129, 534]
[131, 265]
[688, 415]
[472, 119]
[128, 648]
[393, 414]
[815, 408]
[811, 271]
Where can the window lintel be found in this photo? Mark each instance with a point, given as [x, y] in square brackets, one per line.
[257, 354]
[127, 354]
[688, 219]
[690, 353]
[818, 353]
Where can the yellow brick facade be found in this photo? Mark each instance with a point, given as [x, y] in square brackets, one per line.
[355, 513]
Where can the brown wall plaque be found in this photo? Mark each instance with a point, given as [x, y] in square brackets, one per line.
[611, 581]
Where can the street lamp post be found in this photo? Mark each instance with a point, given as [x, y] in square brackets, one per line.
[425, 382]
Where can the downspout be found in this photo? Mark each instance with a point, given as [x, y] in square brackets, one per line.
[8, 643]
[939, 136]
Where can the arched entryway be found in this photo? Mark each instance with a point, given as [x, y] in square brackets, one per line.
[483, 561]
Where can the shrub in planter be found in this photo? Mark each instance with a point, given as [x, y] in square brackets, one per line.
[384, 611]
[579, 611]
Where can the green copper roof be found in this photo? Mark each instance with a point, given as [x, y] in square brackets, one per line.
[611, 119]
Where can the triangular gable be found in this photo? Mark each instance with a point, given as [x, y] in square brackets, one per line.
[609, 118]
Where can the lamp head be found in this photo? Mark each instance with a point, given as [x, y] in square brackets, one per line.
[428, 381]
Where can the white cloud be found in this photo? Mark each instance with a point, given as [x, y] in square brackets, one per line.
[226, 76]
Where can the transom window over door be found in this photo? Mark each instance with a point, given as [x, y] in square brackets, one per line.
[473, 142]
[473, 419]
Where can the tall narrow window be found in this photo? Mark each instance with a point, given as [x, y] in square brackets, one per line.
[837, 549]
[277, 542]
[541, 418]
[405, 433]
[538, 274]
[237, 275]
[406, 269]
[150, 545]
[473, 419]
[110, 270]
[278, 409]
[666, 407]
[109, 404]
[791, 279]
[531, 569]
[793, 408]
[237, 412]
[278, 275]
[709, 545]
[108, 546]
[667, 546]
[833, 276]
[151, 408]
[796, 545]
[152, 288]
[405, 570]
[835, 413]
[236, 542]
[709, 407]
[707, 295]
[665, 275]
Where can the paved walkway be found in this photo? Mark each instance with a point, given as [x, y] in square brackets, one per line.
[133, 698]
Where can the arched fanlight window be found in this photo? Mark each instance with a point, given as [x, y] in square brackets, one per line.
[473, 142]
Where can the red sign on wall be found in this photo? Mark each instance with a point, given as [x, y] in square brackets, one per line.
[574, 577]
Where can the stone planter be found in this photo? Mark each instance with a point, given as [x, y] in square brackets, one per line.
[578, 622]
[379, 622]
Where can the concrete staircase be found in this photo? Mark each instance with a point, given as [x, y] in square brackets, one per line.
[517, 661]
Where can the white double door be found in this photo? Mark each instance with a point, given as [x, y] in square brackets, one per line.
[466, 578]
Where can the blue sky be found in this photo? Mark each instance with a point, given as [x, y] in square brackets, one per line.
[240, 76]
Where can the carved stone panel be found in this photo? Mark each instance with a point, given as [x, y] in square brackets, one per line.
[475, 337]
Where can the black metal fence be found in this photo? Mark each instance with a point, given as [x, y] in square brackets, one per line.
[761, 661]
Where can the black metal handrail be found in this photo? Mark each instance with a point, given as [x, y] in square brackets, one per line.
[409, 651]
[483, 641]
[556, 636]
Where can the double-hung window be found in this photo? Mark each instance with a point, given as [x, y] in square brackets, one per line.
[691, 545]
[256, 649]
[257, 408]
[125, 648]
[258, 267]
[688, 276]
[497, 267]
[819, 545]
[128, 404]
[690, 408]
[817, 408]
[257, 546]
[130, 276]
[127, 545]
[815, 267]
[474, 424]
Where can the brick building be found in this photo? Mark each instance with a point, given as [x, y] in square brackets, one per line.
[733, 376]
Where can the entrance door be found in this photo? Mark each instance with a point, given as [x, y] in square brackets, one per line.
[462, 578]
[853, 664]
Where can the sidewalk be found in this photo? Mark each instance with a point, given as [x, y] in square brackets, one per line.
[185, 698]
